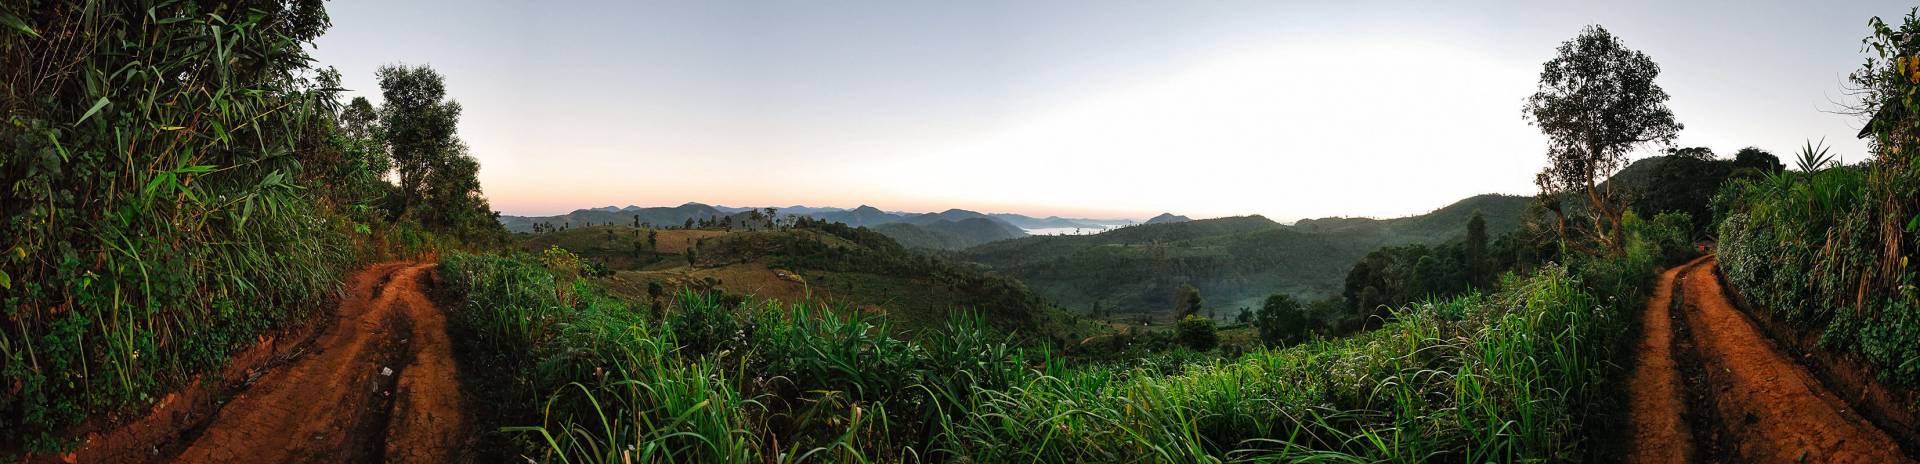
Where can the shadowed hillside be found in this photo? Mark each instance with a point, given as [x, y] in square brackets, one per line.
[1234, 262]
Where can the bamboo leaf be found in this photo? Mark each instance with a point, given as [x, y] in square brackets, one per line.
[90, 111]
[19, 25]
[198, 169]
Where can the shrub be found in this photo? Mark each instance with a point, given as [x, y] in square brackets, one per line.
[1197, 332]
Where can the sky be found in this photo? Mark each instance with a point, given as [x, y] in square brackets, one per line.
[1108, 109]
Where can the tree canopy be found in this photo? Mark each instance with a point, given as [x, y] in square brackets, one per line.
[1596, 102]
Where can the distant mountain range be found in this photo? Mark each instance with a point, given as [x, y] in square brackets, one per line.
[1234, 261]
[952, 229]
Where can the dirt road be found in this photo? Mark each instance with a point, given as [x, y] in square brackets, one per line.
[375, 383]
[1709, 385]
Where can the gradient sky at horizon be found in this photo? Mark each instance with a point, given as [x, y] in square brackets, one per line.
[1080, 108]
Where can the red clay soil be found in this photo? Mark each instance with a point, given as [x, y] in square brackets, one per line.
[1660, 432]
[1765, 407]
[379, 384]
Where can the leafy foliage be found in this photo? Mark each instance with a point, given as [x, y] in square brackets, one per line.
[1197, 332]
[157, 213]
[1282, 321]
[1829, 249]
[439, 183]
[1596, 103]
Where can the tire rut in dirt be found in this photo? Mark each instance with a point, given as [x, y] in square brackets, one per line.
[348, 399]
[1770, 408]
[1712, 442]
[1661, 431]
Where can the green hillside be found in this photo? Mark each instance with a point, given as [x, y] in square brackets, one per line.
[949, 235]
[814, 261]
[1234, 261]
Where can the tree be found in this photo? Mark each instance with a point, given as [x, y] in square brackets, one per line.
[439, 181]
[419, 123]
[1281, 321]
[1596, 102]
[358, 175]
[1475, 251]
[1698, 153]
[1197, 332]
[1186, 301]
[1751, 160]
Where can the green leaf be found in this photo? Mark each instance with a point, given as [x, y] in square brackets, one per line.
[5, 281]
[19, 25]
[90, 111]
[197, 169]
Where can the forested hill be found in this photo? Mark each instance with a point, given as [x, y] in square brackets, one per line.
[658, 216]
[1234, 261]
[952, 229]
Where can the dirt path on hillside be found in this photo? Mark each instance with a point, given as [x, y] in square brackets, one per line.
[1660, 433]
[1753, 402]
[378, 383]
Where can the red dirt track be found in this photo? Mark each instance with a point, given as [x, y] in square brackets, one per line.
[378, 384]
[1762, 406]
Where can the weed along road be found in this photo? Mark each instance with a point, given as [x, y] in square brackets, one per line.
[378, 384]
[1744, 399]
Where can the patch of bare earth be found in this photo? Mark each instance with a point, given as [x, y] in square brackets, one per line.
[1762, 405]
[378, 384]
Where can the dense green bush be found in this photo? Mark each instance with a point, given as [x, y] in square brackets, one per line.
[1197, 332]
[1803, 247]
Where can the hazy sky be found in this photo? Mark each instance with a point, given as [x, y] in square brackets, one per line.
[1110, 109]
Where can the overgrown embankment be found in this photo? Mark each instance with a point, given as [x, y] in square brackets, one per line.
[155, 217]
[1827, 250]
[181, 182]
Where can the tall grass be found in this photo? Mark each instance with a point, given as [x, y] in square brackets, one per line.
[155, 214]
[1510, 376]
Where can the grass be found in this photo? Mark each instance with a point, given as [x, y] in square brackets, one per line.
[1516, 375]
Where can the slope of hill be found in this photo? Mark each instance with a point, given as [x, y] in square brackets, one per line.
[1049, 222]
[862, 216]
[1502, 213]
[853, 267]
[1165, 218]
[1234, 261]
[948, 234]
[660, 216]
[952, 229]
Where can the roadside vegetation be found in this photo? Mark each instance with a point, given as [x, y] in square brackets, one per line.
[180, 180]
[1828, 247]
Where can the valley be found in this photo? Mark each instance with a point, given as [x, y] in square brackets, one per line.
[1157, 232]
